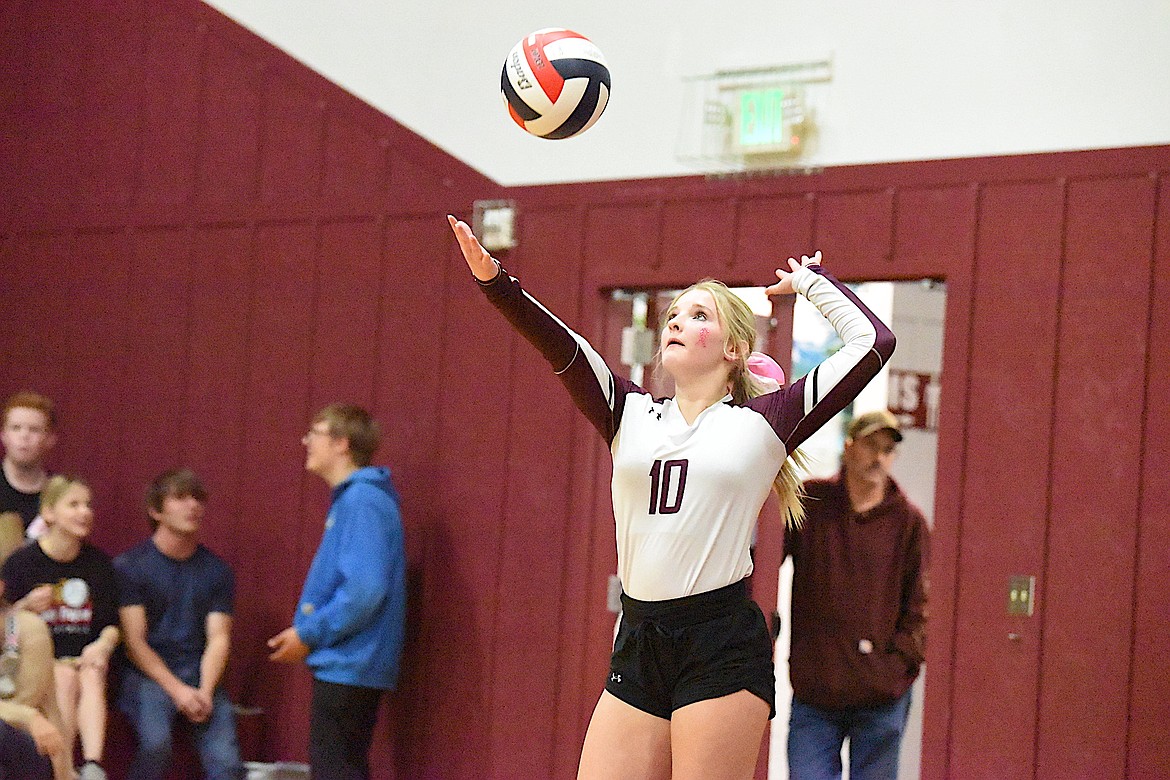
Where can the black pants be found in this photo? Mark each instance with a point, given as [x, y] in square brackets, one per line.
[341, 726]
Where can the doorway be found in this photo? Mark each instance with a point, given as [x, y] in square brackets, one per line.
[909, 386]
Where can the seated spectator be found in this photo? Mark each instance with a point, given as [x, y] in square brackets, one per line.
[176, 609]
[28, 433]
[72, 586]
[31, 746]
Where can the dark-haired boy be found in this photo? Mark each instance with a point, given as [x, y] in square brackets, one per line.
[176, 613]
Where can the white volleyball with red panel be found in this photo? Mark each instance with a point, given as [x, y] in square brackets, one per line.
[555, 83]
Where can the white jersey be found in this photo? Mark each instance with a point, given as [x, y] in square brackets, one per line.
[686, 497]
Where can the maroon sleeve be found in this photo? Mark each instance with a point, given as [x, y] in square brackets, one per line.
[597, 391]
[795, 412]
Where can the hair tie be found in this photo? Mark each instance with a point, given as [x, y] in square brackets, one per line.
[766, 371]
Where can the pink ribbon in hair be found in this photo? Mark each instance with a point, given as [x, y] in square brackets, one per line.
[766, 371]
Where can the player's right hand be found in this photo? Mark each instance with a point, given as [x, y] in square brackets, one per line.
[482, 265]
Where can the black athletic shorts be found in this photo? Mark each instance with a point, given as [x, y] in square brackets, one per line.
[672, 653]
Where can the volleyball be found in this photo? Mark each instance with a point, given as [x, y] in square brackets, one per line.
[555, 83]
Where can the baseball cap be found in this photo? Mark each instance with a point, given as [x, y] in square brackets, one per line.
[872, 422]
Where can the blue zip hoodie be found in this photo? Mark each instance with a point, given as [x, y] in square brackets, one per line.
[353, 605]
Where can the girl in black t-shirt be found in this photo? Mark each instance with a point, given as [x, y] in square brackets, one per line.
[72, 586]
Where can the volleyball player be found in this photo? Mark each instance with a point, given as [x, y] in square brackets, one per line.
[691, 684]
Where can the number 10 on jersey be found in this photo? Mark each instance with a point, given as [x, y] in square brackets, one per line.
[668, 481]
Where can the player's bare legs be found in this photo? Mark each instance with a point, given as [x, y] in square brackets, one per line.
[718, 739]
[624, 743]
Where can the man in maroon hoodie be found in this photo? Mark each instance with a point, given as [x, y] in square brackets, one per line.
[859, 591]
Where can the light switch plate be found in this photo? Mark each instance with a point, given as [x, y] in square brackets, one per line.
[1021, 594]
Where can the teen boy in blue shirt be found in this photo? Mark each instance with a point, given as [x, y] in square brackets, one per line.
[349, 624]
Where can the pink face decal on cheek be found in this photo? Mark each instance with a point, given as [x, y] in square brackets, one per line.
[703, 337]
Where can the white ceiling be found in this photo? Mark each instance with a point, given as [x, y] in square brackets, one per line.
[915, 79]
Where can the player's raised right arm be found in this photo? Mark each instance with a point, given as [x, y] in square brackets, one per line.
[483, 266]
[580, 368]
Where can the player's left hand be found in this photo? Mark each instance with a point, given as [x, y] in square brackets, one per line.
[785, 285]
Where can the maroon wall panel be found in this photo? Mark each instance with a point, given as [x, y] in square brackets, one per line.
[856, 227]
[46, 108]
[169, 105]
[409, 381]
[96, 358]
[623, 240]
[1095, 471]
[345, 341]
[950, 487]
[416, 257]
[771, 230]
[230, 144]
[536, 520]
[463, 602]
[698, 237]
[276, 531]
[41, 262]
[157, 370]
[290, 153]
[1020, 230]
[1149, 705]
[934, 229]
[355, 161]
[106, 165]
[212, 427]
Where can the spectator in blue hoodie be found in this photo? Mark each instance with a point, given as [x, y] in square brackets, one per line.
[349, 624]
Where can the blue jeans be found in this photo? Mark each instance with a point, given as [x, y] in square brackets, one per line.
[815, 737]
[152, 713]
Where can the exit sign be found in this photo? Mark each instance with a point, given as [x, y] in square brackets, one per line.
[769, 120]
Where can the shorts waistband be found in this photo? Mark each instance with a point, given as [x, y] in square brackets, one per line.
[686, 610]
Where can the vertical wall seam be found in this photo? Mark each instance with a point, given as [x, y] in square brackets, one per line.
[200, 140]
[892, 251]
[311, 379]
[734, 261]
[263, 110]
[956, 589]
[249, 378]
[814, 219]
[434, 472]
[501, 539]
[588, 291]
[193, 223]
[325, 114]
[130, 252]
[568, 543]
[381, 232]
[188, 337]
[136, 183]
[1048, 498]
[1141, 471]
